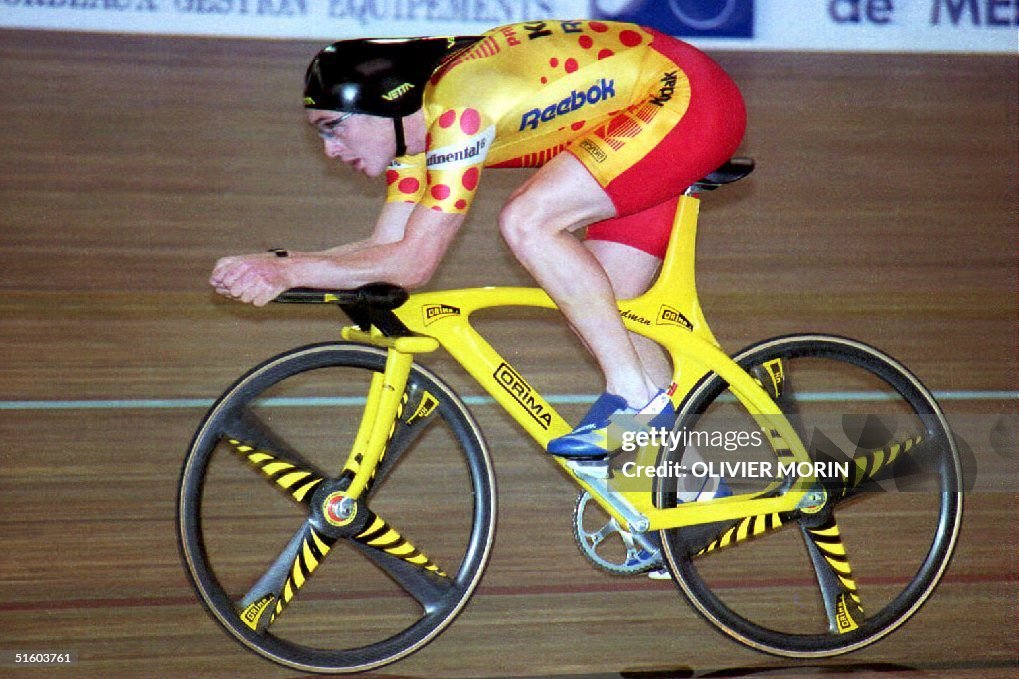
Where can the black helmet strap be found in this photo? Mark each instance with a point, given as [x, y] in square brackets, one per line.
[401, 144]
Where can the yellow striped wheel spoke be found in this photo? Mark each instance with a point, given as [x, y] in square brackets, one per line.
[298, 482]
[284, 578]
[407, 565]
[383, 537]
[839, 591]
[867, 466]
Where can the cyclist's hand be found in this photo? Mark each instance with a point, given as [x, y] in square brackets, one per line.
[256, 279]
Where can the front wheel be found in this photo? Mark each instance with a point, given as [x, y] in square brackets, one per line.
[850, 569]
[291, 567]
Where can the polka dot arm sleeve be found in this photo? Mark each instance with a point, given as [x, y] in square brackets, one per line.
[406, 179]
[458, 143]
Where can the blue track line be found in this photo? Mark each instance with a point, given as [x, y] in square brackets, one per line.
[355, 401]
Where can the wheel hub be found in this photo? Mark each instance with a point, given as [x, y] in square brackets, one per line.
[814, 501]
[338, 509]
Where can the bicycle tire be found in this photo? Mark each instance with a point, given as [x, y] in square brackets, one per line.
[931, 522]
[433, 600]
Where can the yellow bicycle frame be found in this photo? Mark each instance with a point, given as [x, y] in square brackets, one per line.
[669, 313]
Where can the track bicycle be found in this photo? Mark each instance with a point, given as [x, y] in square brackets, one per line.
[347, 568]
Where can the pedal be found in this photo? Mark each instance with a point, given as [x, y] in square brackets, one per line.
[591, 469]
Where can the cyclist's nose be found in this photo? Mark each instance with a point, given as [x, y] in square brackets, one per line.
[332, 148]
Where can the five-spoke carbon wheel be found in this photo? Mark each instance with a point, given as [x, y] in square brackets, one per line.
[293, 568]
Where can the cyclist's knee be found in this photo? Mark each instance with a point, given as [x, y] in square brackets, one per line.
[521, 227]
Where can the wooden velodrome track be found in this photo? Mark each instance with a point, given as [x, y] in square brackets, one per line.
[883, 208]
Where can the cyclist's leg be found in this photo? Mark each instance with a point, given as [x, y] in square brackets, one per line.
[563, 197]
[646, 156]
[631, 272]
[640, 158]
[631, 249]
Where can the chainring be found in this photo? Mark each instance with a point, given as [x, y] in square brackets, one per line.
[626, 556]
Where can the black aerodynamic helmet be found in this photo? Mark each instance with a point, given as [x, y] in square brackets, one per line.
[377, 76]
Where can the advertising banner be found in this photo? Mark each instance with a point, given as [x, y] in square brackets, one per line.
[306, 19]
[683, 18]
[889, 25]
[829, 25]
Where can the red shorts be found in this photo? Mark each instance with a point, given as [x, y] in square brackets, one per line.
[646, 193]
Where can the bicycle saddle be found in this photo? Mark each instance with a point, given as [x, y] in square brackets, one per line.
[732, 171]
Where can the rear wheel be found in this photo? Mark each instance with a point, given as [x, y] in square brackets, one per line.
[837, 576]
[291, 567]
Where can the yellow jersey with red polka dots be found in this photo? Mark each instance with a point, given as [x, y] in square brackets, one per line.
[525, 92]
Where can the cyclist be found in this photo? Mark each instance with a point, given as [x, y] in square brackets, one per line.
[619, 118]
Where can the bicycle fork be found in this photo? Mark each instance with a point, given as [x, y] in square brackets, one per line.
[384, 405]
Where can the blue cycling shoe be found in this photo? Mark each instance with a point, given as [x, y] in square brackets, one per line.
[590, 438]
[591, 441]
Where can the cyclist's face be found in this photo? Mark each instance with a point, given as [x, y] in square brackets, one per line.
[366, 143]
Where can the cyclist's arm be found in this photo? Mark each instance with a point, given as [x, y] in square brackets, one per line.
[409, 260]
[389, 228]
[392, 222]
